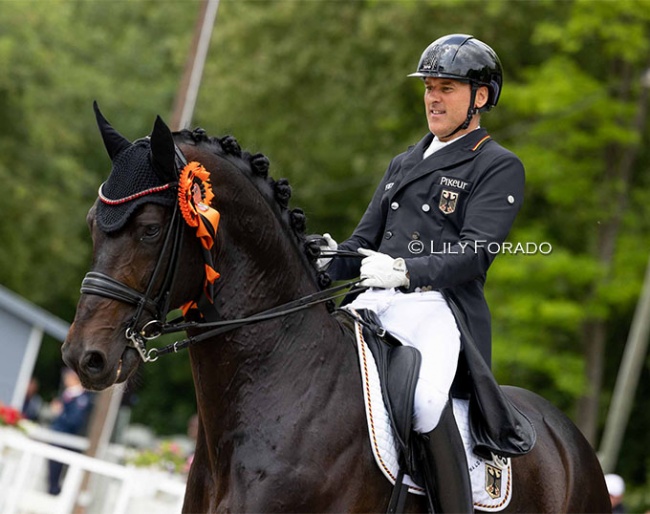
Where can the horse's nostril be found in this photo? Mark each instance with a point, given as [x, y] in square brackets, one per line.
[93, 362]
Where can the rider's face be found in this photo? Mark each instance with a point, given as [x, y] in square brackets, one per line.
[446, 102]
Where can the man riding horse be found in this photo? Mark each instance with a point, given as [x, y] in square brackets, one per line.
[427, 235]
[281, 414]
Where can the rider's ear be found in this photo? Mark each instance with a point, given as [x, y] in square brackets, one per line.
[163, 152]
[113, 140]
[482, 96]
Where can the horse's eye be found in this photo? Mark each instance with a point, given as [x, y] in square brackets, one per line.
[150, 232]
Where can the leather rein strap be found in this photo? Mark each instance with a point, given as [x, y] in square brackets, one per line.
[221, 327]
[103, 285]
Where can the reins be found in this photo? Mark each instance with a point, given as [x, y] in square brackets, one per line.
[221, 327]
[104, 285]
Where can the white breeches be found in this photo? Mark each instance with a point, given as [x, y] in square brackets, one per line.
[422, 320]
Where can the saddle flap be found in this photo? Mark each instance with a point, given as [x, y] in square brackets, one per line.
[399, 368]
[400, 381]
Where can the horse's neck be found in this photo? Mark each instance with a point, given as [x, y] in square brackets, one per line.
[270, 354]
[257, 281]
[248, 377]
[258, 383]
[270, 351]
[269, 379]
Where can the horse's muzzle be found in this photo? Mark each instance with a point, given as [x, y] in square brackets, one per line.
[96, 370]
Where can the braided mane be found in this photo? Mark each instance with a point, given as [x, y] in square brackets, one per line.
[276, 192]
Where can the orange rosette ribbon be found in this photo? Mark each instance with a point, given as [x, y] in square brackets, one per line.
[194, 199]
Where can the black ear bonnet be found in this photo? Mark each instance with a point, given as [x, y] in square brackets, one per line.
[135, 178]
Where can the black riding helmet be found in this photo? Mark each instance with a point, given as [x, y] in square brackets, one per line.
[463, 57]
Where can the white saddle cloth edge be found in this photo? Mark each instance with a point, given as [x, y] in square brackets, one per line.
[385, 449]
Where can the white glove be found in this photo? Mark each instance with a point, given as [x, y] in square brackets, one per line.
[332, 245]
[381, 270]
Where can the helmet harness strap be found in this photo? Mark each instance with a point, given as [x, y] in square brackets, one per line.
[471, 111]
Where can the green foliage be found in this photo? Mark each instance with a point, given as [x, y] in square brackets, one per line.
[51, 159]
[57, 61]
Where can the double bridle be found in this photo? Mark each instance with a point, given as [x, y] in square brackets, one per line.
[98, 283]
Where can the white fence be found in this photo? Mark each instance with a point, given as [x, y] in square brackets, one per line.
[113, 488]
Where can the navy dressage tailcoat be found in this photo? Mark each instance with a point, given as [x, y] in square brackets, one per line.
[448, 216]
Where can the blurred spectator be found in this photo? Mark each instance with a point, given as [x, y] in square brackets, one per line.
[193, 427]
[71, 412]
[33, 401]
[616, 488]
[192, 433]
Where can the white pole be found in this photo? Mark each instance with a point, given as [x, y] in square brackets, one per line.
[27, 367]
[627, 379]
[186, 100]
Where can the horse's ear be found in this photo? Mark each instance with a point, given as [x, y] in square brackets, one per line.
[163, 151]
[113, 140]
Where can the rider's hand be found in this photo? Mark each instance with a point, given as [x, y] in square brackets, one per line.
[330, 245]
[381, 270]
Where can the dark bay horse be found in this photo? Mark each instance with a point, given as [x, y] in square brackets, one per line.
[282, 422]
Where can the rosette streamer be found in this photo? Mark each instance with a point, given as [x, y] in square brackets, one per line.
[194, 199]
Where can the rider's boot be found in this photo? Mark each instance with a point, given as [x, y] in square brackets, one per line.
[445, 472]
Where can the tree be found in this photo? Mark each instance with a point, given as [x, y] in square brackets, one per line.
[587, 106]
[51, 156]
